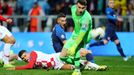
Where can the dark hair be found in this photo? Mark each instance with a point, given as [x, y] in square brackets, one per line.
[21, 52]
[82, 2]
[60, 15]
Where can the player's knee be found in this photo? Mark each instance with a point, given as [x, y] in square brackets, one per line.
[105, 42]
[117, 42]
[85, 52]
[11, 41]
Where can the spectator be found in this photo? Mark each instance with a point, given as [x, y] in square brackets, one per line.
[45, 6]
[26, 5]
[130, 9]
[8, 11]
[35, 11]
[121, 4]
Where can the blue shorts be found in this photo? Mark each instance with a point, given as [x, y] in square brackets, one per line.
[110, 33]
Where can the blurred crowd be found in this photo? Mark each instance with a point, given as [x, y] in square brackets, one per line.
[54, 7]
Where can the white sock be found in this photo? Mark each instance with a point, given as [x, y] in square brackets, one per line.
[93, 65]
[6, 52]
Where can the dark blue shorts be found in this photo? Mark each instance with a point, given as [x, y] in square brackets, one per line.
[110, 34]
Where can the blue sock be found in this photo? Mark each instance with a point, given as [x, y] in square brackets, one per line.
[99, 43]
[120, 50]
[89, 57]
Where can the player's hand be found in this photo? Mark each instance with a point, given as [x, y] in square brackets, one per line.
[11, 68]
[9, 21]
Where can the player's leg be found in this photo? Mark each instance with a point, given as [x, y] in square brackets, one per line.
[107, 36]
[64, 57]
[99, 43]
[87, 53]
[120, 50]
[9, 41]
[60, 65]
[96, 67]
[77, 63]
[67, 67]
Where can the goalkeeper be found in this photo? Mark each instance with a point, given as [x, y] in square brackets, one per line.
[80, 36]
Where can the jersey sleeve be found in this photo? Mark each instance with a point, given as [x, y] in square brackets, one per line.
[2, 18]
[109, 16]
[31, 63]
[60, 34]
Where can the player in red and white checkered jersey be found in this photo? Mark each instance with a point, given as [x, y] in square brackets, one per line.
[7, 37]
[37, 59]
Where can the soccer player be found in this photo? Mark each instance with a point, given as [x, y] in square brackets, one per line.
[8, 39]
[38, 59]
[58, 34]
[80, 36]
[110, 33]
[59, 37]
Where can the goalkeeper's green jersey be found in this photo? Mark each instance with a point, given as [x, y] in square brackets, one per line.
[82, 28]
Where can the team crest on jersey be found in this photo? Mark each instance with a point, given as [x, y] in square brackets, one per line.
[84, 27]
[62, 36]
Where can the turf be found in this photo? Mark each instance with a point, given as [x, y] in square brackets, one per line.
[116, 67]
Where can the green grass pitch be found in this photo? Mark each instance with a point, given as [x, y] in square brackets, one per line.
[115, 63]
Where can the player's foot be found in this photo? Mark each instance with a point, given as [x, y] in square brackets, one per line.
[126, 58]
[8, 65]
[76, 72]
[102, 68]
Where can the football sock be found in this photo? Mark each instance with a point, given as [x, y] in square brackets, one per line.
[120, 50]
[6, 53]
[99, 43]
[89, 57]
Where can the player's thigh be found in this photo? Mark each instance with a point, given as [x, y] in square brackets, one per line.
[69, 43]
[114, 38]
[6, 35]
[8, 39]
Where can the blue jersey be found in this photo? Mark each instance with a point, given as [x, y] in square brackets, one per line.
[112, 18]
[58, 36]
[110, 27]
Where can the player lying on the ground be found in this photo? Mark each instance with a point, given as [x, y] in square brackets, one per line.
[12, 57]
[37, 59]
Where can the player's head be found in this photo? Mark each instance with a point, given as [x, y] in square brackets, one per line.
[81, 6]
[111, 3]
[35, 4]
[61, 19]
[24, 55]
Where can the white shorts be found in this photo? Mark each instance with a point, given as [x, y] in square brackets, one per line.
[4, 31]
[58, 62]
